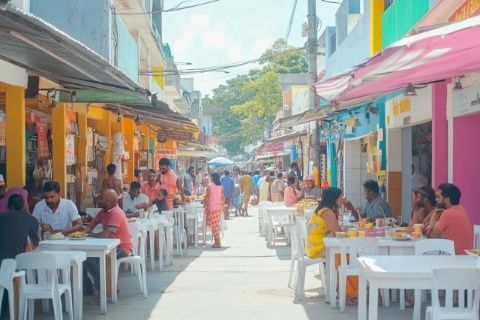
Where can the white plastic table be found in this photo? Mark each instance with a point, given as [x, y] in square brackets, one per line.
[94, 248]
[152, 225]
[332, 246]
[76, 259]
[403, 272]
[194, 218]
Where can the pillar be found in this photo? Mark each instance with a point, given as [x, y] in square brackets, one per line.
[82, 154]
[376, 12]
[59, 134]
[129, 136]
[15, 136]
[439, 134]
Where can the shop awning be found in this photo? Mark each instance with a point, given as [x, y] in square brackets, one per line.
[304, 117]
[427, 57]
[285, 137]
[273, 155]
[33, 44]
[195, 150]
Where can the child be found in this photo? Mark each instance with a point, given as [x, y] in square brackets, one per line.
[161, 202]
[237, 199]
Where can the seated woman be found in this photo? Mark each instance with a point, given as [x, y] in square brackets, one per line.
[427, 214]
[324, 223]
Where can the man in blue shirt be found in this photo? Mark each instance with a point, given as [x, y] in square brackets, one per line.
[256, 177]
[228, 186]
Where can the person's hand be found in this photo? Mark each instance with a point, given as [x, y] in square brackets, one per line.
[47, 228]
[348, 205]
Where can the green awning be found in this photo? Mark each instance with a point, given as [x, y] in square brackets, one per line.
[105, 96]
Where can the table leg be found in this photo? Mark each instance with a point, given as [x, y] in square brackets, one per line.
[333, 279]
[151, 247]
[326, 285]
[113, 268]
[160, 248]
[103, 285]
[362, 297]
[373, 302]
[196, 232]
[77, 290]
[417, 305]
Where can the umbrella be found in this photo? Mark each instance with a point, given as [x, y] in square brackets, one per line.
[220, 161]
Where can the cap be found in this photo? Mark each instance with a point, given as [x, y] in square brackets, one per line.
[309, 178]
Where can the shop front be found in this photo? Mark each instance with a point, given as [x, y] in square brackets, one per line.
[409, 148]
[464, 148]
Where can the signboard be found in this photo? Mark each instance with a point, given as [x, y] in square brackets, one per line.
[469, 9]
[42, 134]
[173, 134]
[466, 101]
[406, 111]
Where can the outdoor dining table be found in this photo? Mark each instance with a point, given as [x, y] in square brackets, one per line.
[386, 246]
[402, 272]
[76, 259]
[94, 248]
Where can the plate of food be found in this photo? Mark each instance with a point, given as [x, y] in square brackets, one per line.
[398, 236]
[53, 236]
[473, 252]
[78, 235]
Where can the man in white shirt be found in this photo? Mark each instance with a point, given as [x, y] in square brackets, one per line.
[56, 214]
[135, 200]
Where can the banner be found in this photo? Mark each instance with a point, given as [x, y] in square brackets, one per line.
[41, 125]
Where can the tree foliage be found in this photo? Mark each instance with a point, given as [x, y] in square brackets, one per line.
[244, 107]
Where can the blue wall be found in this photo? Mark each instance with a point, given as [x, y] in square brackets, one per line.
[352, 50]
[85, 20]
[127, 51]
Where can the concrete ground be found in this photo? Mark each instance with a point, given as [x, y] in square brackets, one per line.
[243, 280]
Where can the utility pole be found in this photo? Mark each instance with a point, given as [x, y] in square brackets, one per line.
[312, 49]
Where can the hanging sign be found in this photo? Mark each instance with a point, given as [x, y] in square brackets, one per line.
[41, 124]
[70, 149]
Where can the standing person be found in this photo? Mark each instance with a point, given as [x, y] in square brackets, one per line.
[376, 206]
[56, 214]
[453, 223]
[255, 181]
[213, 204]
[264, 189]
[17, 227]
[291, 196]
[115, 225]
[246, 188]
[188, 179]
[236, 175]
[169, 181]
[277, 188]
[228, 187]
[237, 200]
[111, 182]
[151, 187]
[295, 171]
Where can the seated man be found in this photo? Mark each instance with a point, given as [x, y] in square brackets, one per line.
[376, 206]
[56, 214]
[161, 202]
[135, 200]
[309, 190]
[453, 223]
[115, 225]
[17, 226]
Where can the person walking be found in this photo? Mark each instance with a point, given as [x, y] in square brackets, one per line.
[246, 188]
[228, 187]
[213, 205]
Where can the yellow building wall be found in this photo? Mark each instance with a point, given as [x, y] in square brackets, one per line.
[15, 136]
[376, 12]
[59, 134]
[129, 136]
[158, 76]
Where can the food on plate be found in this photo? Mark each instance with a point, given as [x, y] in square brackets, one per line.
[53, 236]
[77, 235]
[399, 235]
[475, 252]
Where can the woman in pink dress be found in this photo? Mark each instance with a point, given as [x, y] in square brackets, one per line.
[213, 204]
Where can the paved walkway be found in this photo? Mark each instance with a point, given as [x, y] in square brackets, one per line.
[244, 280]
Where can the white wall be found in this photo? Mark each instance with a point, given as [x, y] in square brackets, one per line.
[355, 171]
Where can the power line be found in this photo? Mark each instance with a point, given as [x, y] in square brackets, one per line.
[173, 9]
[292, 15]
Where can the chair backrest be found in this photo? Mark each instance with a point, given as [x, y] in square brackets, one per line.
[463, 283]
[280, 215]
[476, 236]
[134, 233]
[300, 238]
[434, 247]
[7, 269]
[352, 248]
[41, 268]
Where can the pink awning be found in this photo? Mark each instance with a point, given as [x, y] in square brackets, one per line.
[431, 56]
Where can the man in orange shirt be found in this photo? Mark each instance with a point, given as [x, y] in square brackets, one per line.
[454, 223]
[151, 187]
[169, 181]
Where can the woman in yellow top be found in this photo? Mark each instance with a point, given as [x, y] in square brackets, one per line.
[324, 223]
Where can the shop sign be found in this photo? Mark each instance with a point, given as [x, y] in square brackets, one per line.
[469, 9]
[274, 148]
[42, 136]
[173, 134]
[406, 111]
[466, 101]
[70, 149]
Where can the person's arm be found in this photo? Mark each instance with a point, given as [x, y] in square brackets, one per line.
[331, 221]
[33, 234]
[118, 187]
[93, 224]
[440, 226]
[75, 218]
[349, 206]
[143, 204]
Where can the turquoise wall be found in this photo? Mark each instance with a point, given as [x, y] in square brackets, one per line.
[127, 51]
[400, 17]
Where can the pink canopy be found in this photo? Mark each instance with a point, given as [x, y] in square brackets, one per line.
[431, 56]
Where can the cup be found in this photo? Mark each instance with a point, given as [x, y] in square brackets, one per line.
[379, 222]
[362, 222]
[361, 233]
[388, 232]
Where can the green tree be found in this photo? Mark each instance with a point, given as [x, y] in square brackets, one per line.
[283, 58]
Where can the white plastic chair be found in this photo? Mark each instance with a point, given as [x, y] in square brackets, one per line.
[350, 250]
[7, 272]
[303, 262]
[462, 282]
[137, 260]
[42, 283]
[278, 218]
[476, 236]
[181, 237]
[262, 215]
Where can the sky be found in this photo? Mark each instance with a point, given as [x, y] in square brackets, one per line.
[231, 31]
